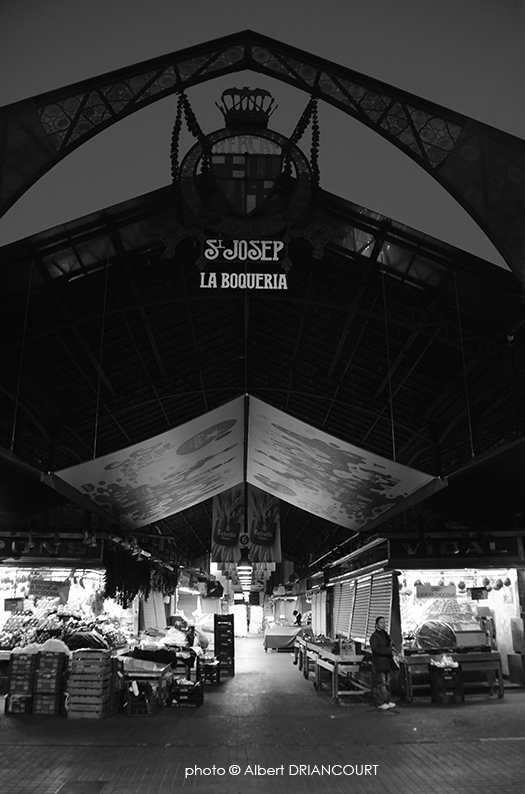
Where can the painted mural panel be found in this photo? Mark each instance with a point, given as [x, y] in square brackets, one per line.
[168, 473]
[322, 475]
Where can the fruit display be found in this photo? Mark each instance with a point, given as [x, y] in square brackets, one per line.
[49, 621]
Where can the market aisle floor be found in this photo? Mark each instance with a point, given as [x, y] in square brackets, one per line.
[270, 717]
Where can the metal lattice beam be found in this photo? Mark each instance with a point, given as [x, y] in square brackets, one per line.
[480, 166]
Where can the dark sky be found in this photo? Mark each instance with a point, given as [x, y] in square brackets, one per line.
[467, 55]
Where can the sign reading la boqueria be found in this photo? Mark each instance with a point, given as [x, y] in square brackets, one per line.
[243, 253]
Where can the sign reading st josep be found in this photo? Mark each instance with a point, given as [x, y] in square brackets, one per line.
[243, 252]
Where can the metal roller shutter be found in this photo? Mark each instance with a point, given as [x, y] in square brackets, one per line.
[380, 600]
[358, 627]
[336, 608]
[154, 612]
[322, 616]
[187, 603]
[343, 607]
[316, 613]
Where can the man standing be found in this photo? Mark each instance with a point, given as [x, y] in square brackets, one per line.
[383, 663]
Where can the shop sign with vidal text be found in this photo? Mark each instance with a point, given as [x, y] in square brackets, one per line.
[468, 550]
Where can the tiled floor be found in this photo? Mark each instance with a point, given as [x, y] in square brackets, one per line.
[269, 730]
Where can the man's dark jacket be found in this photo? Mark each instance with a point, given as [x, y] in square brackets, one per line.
[381, 647]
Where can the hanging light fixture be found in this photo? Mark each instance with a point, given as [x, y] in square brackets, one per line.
[244, 563]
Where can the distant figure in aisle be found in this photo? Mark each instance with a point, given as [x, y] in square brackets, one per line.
[383, 664]
[298, 618]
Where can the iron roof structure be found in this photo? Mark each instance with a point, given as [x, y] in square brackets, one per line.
[385, 338]
[392, 341]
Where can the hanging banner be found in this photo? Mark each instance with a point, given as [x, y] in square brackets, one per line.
[328, 477]
[264, 538]
[262, 535]
[227, 523]
[162, 475]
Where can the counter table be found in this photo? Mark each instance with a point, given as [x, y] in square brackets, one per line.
[413, 671]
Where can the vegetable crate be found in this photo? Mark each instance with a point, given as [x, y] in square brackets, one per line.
[47, 704]
[211, 672]
[51, 663]
[22, 663]
[20, 684]
[141, 706]
[446, 684]
[21, 673]
[190, 694]
[89, 685]
[18, 704]
[49, 683]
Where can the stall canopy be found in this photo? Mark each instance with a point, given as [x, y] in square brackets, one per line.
[244, 440]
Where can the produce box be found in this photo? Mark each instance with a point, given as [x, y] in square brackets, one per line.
[96, 668]
[20, 684]
[91, 654]
[47, 704]
[22, 663]
[18, 704]
[49, 683]
[83, 714]
[88, 686]
[141, 707]
[87, 703]
[49, 661]
[186, 693]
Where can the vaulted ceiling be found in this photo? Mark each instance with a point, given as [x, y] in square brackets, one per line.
[385, 339]
[391, 341]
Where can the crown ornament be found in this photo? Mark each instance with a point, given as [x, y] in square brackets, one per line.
[246, 107]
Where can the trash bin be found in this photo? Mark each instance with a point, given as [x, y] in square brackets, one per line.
[446, 684]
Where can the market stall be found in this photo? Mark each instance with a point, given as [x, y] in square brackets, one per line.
[416, 670]
[281, 638]
[444, 597]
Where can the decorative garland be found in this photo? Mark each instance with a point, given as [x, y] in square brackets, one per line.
[127, 577]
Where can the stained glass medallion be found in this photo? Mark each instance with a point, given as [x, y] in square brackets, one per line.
[246, 180]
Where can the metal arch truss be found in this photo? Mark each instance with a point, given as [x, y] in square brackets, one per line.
[482, 167]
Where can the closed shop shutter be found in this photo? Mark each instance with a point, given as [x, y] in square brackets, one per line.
[154, 611]
[380, 599]
[347, 606]
[336, 608]
[358, 627]
[343, 606]
[187, 604]
[322, 616]
[316, 612]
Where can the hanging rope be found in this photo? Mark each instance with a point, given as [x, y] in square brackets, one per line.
[193, 126]
[465, 381]
[391, 398]
[304, 121]
[175, 140]
[97, 411]
[309, 116]
[19, 380]
[314, 148]
[191, 119]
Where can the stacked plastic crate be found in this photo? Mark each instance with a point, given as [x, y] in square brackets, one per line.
[142, 699]
[189, 694]
[210, 670]
[93, 688]
[224, 643]
[48, 687]
[20, 682]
